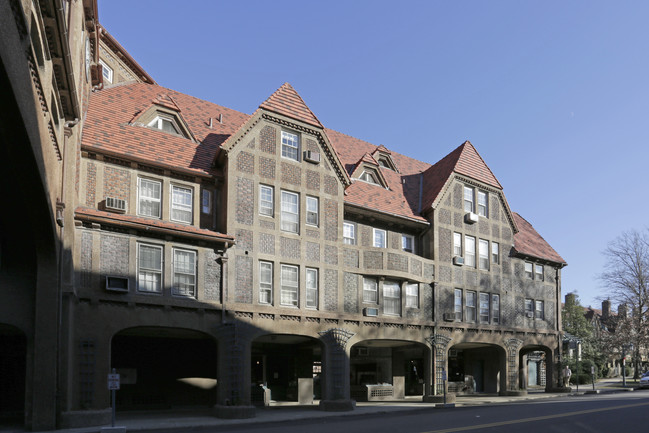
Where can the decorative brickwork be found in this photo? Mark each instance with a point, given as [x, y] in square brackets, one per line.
[289, 248]
[91, 184]
[313, 180]
[266, 243]
[266, 224]
[243, 288]
[330, 185]
[244, 240]
[291, 173]
[245, 202]
[246, 162]
[471, 278]
[507, 234]
[267, 167]
[312, 145]
[458, 277]
[268, 139]
[251, 145]
[313, 251]
[331, 290]
[494, 210]
[351, 292]
[495, 231]
[445, 244]
[312, 233]
[483, 226]
[458, 196]
[331, 255]
[212, 276]
[458, 220]
[397, 262]
[366, 235]
[415, 267]
[445, 274]
[117, 183]
[394, 240]
[114, 256]
[485, 282]
[373, 259]
[444, 216]
[86, 259]
[330, 216]
[350, 258]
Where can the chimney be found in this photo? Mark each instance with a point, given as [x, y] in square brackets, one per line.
[621, 311]
[571, 298]
[606, 309]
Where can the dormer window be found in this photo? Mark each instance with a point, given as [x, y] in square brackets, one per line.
[384, 163]
[165, 124]
[369, 177]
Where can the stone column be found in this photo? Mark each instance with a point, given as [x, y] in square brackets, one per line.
[335, 386]
[512, 347]
[439, 344]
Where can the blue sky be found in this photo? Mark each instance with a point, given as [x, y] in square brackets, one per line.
[553, 94]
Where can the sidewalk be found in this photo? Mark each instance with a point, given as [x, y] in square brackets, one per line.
[287, 412]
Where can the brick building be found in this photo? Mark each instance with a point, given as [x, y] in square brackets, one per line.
[218, 258]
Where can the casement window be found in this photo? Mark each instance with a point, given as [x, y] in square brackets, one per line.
[469, 202]
[290, 145]
[408, 243]
[483, 252]
[391, 298]
[165, 124]
[469, 251]
[484, 307]
[290, 288]
[483, 207]
[106, 70]
[149, 268]
[539, 310]
[495, 308]
[458, 304]
[471, 306]
[457, 245]
[149, 194]
[265, 282]
[529, 307]
[529, 273]
[184, 273]
[538, 272]
[181, 204]
[290, 212]
[266, 201]
[495, 253]
[311, 288]
[349, 233]
[370, 291]
[379, 238]
[412, 295]
[206, 201]
[369, 177]
[312, 213]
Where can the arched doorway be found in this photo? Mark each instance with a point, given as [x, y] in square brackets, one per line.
[535, 367]
[164, 368]
[476, 368]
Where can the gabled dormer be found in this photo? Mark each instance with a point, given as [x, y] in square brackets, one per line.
[384, 158]
[164, 115]
[367, 170]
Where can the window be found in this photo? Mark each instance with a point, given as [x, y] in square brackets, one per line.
[469, 205]
[149, 268]
[149, 193]
[484, 307]
[529, 308]
[483, 209]
[483, 253]
[469, 252]
[538, 310]
[528, 271]
[290, 145]
[412, 295]
[495, 253]
[370, 291]
[457, 244]
[369, 177]
[265, 283]
[379, 238]
[408, 243]
[289, 292]
[165, 124]
[458, 304]
[311, 288]
[266, 206]
[184, 277]
[290, 212]
[349, 233]
[206, 201]
[106, 70]
[312, 211]
[181, 204]
[470, 306]
[391, 298]
[495, 308]
[538, 272]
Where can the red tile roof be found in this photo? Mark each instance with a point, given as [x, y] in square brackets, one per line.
[286, 101]
[93, 215]
[528, 242]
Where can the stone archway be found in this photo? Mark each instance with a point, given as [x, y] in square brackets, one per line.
[13, 366]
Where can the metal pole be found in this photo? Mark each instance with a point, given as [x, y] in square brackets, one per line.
[444, 382]
[112, 421]
[624, 371]
[577, 381]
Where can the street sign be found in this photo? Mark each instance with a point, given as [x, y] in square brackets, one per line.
[113, 381]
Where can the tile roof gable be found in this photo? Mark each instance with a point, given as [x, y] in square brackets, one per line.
[529, 242]
[288, 102]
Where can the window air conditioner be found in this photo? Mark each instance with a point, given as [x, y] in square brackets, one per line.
[471, 218]
[115, 204]
[529, 314]
[370, 312]
[458, 261]
[449, 317]
[117, 284]
[312, 156]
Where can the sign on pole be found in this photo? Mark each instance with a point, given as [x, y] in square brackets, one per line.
[113, 381]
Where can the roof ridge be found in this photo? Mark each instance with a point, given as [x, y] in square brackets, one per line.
[462, 153]
[281, 101]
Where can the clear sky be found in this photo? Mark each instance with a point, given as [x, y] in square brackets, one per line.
[553, 94]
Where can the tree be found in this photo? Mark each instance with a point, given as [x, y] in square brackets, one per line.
[574, 322]
[626, 280]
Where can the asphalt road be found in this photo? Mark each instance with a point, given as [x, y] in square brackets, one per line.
[622, 412]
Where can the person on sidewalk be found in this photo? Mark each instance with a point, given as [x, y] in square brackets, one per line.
[566, 376]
